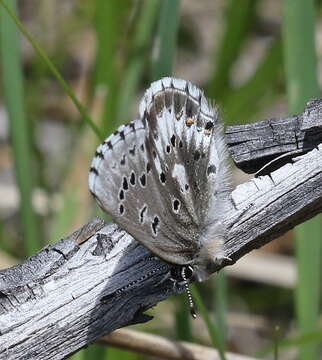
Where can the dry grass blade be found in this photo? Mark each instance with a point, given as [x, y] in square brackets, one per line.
[161, 347]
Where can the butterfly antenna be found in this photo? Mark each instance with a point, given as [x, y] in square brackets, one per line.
[190, 300]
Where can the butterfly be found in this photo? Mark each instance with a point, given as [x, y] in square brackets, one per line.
[165, 179]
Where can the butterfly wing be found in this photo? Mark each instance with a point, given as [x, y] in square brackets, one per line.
[156, 176]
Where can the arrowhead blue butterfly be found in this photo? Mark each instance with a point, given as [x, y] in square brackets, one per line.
[165, 179]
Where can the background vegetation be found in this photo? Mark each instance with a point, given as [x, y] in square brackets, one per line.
[256, 58]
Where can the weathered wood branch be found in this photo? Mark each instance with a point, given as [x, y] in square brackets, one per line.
[100, 279]
[254, 145]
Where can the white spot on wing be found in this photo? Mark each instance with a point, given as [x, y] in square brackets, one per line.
[179, 173]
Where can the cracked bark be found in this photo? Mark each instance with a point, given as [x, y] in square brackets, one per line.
[254, 145]
[100, 279]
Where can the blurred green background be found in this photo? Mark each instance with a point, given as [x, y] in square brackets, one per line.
[256, 58]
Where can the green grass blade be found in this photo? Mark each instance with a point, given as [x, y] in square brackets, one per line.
[141, 42]
[220, 296]
[182, 319]
[308, 252]
[63, 219]
[82, 110]
[236, 106]
[80, 355]
[212, 330]
[111, 33]
[166, 39]
[300, 66]
[301, 80]
[19, 127]
[238, 19]
[307, 339]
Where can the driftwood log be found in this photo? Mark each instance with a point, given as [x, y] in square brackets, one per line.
[100, 279]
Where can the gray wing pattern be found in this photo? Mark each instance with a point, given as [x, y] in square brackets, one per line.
[156, 176]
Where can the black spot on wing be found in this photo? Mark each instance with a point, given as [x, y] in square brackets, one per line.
[99, 154]
[176, 205]
[163, 177]
[173, 140]
[143, 180]
[132, 179]
[142, 213]
[93, 170]
[125, 184]
[132, 151]
[155, 225]
[121, 209]
[122, 162]
[211, 169]
[196, 155]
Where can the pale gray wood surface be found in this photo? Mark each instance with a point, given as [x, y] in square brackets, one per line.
[254, 145]
[100, 279]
